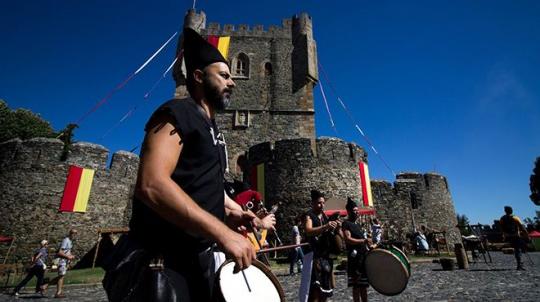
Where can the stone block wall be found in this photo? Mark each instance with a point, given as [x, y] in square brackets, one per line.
[296, 166]
[32, 178]
[435, 208]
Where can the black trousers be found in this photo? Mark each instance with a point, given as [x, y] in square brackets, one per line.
[520, 246]
[36, 270]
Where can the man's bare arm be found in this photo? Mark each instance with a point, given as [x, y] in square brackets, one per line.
[315, 231]
[266, 222]
[155, 187]
[353, 241]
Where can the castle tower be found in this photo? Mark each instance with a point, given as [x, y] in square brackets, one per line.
[275, 70]
[291, 168]
[416, 199]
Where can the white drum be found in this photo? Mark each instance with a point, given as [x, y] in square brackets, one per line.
[259, 284]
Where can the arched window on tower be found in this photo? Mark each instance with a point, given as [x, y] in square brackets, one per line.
[268, 69]
[241, 66]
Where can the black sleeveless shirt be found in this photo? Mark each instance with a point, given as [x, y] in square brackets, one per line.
[199, 172]
[357, 233]
[319, 244]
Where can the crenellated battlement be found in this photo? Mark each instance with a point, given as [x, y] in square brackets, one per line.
[244, 30]
[195, 20]
[327, 150]
[17, 153]
[298, 24]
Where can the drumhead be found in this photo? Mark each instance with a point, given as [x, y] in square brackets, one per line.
[402, 257]
[386, 272]
[263, 285]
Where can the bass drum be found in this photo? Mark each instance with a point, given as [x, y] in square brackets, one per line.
[259, 284]
[388, 270]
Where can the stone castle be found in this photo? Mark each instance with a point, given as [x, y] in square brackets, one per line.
[270, 124]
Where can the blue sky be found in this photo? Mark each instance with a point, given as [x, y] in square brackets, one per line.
[445, 86]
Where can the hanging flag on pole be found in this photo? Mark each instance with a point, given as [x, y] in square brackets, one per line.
[257, 179]
[77, 189]
[366, 184]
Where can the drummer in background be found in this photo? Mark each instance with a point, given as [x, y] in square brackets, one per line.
[318, 227]
[357, 247]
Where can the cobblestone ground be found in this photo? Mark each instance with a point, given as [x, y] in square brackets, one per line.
[497, 281]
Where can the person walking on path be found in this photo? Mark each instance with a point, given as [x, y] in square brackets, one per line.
[65, 255]
[37, 269]
[514, 232]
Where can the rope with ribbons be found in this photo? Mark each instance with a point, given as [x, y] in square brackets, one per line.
[105, 99]
[351, 118]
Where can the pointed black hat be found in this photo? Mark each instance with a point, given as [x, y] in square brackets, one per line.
[351, 204]
[316, 194]
[198, 53]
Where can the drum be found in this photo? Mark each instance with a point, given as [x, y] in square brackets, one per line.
[388, 270]
[259, 284]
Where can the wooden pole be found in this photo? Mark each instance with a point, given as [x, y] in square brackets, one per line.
[279, 248]
[97, 249]
[9, 250]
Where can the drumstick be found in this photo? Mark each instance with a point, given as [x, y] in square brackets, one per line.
[245, 279]
[277, 237]
[284, 247]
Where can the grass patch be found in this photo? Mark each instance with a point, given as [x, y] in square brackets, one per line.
[79, 276]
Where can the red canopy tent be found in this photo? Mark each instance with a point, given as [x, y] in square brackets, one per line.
[5, 239]
[534, 234]
[336, 205]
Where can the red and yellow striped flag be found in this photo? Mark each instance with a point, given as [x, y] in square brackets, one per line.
[77, 189]
[257, 179]
[366, 184]
[221, 43]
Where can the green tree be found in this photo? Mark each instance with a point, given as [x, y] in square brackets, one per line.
[66, 136]
[535, 183]
[22, 123]
[463, 224]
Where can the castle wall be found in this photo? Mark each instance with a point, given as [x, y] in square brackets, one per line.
[296, 166]
[435, 208]
[33, 178]
[394, 212]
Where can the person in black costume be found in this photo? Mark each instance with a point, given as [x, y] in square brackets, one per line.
[358, 245]
[319, 233]
[181, 214]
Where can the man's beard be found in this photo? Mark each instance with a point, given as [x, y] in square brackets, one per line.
[218, 99]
